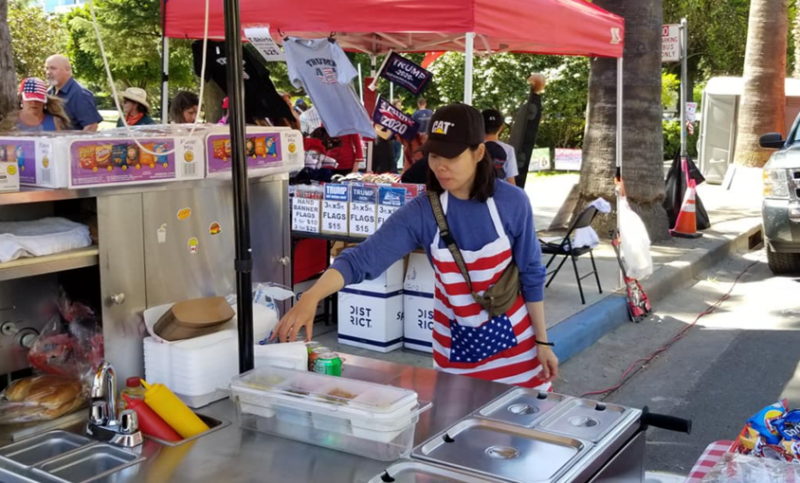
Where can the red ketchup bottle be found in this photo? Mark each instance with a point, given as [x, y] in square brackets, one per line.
[151, 423]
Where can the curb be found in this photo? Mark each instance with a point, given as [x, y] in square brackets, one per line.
[579, 332]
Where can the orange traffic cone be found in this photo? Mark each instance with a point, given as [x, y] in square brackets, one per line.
[686, 224]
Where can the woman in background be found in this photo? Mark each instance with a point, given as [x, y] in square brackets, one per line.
[184, 108]
[37, 110]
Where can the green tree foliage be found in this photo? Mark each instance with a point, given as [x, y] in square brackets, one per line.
[131, 34]
[35, 36]
[669, 90]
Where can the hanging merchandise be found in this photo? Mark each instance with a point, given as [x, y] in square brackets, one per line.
[321, 67]
[405, 73]
[262, 100]
[390, 117]
[635, 242]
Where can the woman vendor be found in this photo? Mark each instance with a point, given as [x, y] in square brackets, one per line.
[488, 233]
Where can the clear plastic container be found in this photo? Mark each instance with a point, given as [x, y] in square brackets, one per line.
[362, 418]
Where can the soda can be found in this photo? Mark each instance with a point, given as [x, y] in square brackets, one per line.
[316, 352]
[328, 363]
[311, 345]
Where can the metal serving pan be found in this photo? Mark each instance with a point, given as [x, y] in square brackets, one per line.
[503, 451]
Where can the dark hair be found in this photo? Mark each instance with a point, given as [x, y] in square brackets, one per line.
[492, 129]
[182, 101]
[485, 176]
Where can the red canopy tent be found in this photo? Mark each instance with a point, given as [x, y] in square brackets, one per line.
[559, 27]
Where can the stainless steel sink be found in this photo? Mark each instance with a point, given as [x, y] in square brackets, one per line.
[64, 457]
[90, 464]
[44, 447]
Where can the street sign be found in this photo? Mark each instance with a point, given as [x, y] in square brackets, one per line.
[691, 111]
[670, 43]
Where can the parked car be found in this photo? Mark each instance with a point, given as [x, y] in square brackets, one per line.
[780, 208]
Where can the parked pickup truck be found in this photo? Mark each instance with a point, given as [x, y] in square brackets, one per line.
[780, 208]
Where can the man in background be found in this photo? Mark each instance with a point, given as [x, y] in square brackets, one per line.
[423, 115]
[78, 101]
[503, 154]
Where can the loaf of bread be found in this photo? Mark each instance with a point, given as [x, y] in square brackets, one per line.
[49, 391]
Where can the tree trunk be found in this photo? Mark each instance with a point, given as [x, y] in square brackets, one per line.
[212, 102]
[642, 153]
[763, 101]
[8, 76]
[796, 35]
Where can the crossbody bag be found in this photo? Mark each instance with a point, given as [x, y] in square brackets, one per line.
[501, 296]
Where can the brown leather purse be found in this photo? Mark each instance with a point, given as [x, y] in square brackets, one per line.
[500, 297]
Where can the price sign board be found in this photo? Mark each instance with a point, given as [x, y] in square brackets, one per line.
[390, 199]
[305, 215]
[363, 210]
[335, 209]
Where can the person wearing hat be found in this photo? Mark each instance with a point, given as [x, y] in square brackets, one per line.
[38, 111]
[482, 245]
[502, 153]
[134, 103]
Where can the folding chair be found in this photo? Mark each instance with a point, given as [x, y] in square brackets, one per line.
[566, 249]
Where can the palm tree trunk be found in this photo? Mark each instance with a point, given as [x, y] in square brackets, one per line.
[763, 103]
[8, 76]
[642, 153]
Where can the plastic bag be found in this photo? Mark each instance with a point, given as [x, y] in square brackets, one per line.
[71, 343]
[635, 242]
[40, 398]
[738, 468]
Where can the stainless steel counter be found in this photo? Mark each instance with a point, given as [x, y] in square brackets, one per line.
[233, 455]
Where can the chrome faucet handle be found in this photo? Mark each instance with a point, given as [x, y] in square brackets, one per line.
[99, 414]
[104, 385]
[128, 422]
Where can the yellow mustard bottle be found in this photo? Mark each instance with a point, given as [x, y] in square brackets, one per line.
[173, 411]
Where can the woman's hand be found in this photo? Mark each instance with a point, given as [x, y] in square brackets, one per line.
[301, 315]
[549, 362]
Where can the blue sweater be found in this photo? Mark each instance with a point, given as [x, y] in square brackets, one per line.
[414, 226]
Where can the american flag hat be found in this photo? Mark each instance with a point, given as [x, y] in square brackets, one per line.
[33, 89]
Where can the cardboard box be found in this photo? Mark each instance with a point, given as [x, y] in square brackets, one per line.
[42, 161]
[272, 150]
[9, 177]
[335, 209]
[363, 210]
[100, 161]
[418, 290]
[370, 320]
[388, 282]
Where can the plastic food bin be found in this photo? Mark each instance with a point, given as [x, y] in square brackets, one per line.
[370, 420]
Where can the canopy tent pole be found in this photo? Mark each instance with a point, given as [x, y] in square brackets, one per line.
[164, 65]
[241, 198]
[619, 115]
[469, 41]
[164, 79]
[684, 39]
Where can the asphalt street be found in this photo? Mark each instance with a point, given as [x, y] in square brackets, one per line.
[733, 362]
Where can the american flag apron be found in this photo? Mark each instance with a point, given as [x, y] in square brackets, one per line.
[465, 340]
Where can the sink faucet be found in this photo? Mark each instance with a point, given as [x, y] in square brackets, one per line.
[104, 424]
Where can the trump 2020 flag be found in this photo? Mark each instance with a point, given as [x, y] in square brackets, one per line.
[405, 73]
[394, 119]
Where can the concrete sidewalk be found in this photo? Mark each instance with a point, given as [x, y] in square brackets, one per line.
[735, 219]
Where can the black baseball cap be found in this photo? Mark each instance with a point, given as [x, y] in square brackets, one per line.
[492, 119]
[453, 129]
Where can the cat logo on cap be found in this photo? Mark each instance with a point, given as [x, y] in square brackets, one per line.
[441, 127]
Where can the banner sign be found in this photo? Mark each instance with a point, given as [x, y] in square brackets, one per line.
[405, 73]
[568, 159]
[394, 119]
[263, 42]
